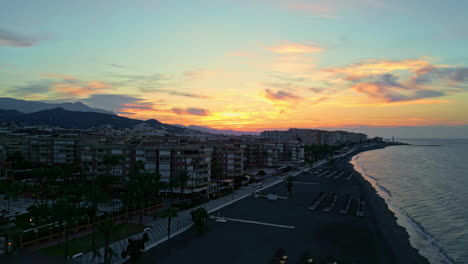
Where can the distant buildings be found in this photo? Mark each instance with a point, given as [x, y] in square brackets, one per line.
[207, 160]
[315, 136]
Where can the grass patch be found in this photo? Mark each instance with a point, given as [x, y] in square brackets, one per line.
[84, 244]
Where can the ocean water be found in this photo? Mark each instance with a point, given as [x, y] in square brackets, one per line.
[427, 188]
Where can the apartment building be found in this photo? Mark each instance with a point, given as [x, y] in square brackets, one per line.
[229, 158]
[196, 161]
[95, 153]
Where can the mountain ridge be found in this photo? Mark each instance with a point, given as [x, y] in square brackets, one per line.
[60, 117]
[25, 106]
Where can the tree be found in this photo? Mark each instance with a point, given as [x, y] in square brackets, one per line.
[155, 187]
[18, 162]
[110, 162]
[199, 217]
[172, 184]
[106, 227]
[216, 171]
[183, 178]
[195, 162]
[12, 192]
[135, 248]
[139, 184]
[95, 194]
[289, 184]
[170, 213]
[65, 212]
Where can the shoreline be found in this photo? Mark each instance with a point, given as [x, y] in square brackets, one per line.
[396, 237]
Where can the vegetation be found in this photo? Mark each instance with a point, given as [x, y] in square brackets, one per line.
[199, 217]
[170, 213]
[135, 248]
[83, 244]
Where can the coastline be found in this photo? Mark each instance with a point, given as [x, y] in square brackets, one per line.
[375, 238]
[396, 237]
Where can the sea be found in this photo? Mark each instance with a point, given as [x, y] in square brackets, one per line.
[426, 185]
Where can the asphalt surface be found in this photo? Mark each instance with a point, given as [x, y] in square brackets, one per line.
[320, 234]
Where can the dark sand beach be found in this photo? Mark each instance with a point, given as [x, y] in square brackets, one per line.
[373, 238]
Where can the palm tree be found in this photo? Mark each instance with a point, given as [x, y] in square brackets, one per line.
[12, 192]
[155, 187]
[106, 227]
[172, 184]
[289, 184]
[138, 185]
[195, 162]
[65, 212]
[199, 217]
[183, 178]
[95, 195]
[170, 213]
[110, 162]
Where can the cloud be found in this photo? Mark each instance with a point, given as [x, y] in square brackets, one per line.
[294, 49]
[118, 66]
[31, 89]
[191, 111]
[145, 82]
[66, 86]
[429, 74]
[200, 74]
[183, 94]
[291, 86]
[316, 90]
[388, 88]
[401, 81]
[11, 39]
[79, 88]
[280, 95]
[117, 102]
[329, 8]
[368, 68]
[288, 78]
[59, 76]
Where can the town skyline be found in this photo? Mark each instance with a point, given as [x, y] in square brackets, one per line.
[285, 64]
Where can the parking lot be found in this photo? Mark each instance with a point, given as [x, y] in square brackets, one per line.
[253, 229]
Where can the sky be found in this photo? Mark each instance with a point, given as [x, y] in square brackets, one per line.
[244, 64]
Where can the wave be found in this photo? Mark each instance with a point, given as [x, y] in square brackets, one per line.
[436, 250]
[419, 228]
[384, 190]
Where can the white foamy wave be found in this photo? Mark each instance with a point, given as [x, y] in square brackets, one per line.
[431, 249]
[435, 249]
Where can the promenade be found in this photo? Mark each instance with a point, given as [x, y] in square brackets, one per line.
[158, 231]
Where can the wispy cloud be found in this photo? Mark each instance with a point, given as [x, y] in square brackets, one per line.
[120, 66]
[183, 94]
[280, 95]
[119, 103]
[59, 76]
[191, 111]
[330, 8]
[294, 49]
[12, 39]
[63, 88]
[401, 81]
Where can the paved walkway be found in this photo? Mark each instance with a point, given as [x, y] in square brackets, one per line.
[158, 232]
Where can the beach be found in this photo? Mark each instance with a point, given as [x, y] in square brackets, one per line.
[255, 228]
[395, 236]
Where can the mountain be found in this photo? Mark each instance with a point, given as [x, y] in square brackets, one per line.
[219, 131]
[60, 117]
[34, 106]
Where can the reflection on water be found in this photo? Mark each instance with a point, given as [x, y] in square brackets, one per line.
[426, 188]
